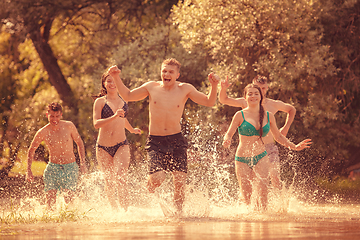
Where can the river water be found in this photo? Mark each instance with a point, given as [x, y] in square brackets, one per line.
[311, 222]
[215, 214]
[188, 229]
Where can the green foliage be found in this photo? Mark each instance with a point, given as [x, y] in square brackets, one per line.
[141, 60]
[80, 36]
[339, 185]
[308, 49]
[278, 38]
[285, 41]
[342, 31]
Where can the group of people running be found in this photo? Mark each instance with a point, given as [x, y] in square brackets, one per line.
[256, 155]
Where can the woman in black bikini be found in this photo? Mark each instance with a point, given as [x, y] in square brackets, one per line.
[112, 148]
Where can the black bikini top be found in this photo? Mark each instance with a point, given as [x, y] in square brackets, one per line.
[108, 112]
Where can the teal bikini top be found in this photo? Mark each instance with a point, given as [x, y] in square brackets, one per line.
[247, 129]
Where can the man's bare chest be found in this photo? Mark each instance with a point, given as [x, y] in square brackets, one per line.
[168, 101]
[58, 139]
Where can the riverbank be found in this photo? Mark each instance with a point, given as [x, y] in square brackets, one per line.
[345, 189]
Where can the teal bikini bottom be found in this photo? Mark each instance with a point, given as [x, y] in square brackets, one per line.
[251, 161]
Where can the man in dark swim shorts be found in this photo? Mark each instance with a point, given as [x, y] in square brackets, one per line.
[166, 146]
[167, 153]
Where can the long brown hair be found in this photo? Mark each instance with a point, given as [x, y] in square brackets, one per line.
[261, 108]
[103, 90]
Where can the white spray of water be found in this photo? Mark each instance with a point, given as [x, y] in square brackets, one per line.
[212, 192]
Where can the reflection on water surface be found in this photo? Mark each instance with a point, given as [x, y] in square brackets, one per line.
[231, 222]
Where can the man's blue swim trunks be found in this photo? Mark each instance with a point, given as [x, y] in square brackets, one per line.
[61, 176]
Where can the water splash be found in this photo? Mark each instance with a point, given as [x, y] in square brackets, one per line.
[212, 192]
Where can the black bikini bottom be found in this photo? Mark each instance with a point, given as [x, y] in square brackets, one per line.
[113, 149]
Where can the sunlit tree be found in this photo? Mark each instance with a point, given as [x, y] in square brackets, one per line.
[285, 41]
[57, 51]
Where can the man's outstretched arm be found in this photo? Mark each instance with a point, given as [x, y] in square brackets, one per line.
[129, 96]
[203, 99]
[224, 99]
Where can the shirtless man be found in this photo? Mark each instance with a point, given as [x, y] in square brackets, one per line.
[272, 106]
[166, 147]
[62, 171]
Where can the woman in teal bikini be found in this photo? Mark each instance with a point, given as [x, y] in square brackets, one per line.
[112, 147]
[251, 163]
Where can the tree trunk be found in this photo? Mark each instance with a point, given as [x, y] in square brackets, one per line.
[51, 65]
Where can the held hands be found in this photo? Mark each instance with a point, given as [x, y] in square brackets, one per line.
[114, 70]
[213, 79]
[304, 144]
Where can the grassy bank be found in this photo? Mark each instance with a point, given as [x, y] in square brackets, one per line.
[346, 189]
[15, 216]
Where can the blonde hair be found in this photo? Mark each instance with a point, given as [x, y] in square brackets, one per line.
[173, 62]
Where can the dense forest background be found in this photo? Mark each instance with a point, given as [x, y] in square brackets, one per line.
[309, 49]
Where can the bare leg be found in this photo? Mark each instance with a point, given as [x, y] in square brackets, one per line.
[69, 196]
[155, 180]
[274, 173]
[50, 198]
[261, 171]
[244, 176]
[261, 187]
[109, 189]
[121, 162]
[274, 163]
[106, 163]
[179, 179]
